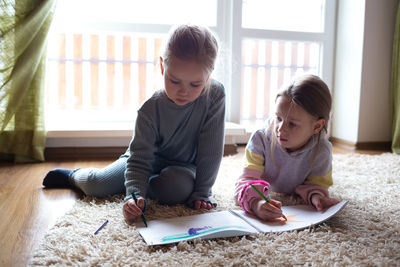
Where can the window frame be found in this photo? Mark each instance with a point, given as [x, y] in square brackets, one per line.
[326, 38]
[230, 32]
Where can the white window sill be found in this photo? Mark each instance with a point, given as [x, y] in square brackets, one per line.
[121, 134]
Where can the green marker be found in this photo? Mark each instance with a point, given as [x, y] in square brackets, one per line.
[143, 218]
[265, 198]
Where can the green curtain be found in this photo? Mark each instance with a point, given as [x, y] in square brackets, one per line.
[24, 25]
[395, 86]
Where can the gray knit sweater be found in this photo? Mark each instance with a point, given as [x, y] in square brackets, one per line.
[167, 134]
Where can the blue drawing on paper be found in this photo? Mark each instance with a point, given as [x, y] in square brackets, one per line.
[200, 231]
[193, 231]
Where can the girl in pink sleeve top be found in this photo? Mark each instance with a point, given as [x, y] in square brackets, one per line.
[291, 153]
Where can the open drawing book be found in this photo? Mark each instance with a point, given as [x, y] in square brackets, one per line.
[230, 223]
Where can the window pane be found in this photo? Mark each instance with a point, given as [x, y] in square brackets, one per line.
[103, 74]
[285, 15]
[138, 11]
[100, 77]
[267, 65]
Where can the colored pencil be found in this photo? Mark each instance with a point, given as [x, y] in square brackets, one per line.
[101, 227]
[143, 218]
[265, 198]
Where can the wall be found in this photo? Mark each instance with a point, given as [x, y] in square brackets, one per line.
[346, 86]
[375, 122]
[361, 87]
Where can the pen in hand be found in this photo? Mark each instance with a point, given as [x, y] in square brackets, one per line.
[265, 198]
[136, 201]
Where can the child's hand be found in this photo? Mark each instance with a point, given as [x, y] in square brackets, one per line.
[321, 203]
[199, 204]
[132, 211]
[267, 211]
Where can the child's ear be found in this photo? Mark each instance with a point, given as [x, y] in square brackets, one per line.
[319, 125]
[208, 76]
[161, 66]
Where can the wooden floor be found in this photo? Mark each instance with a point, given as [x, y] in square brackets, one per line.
[28, 211]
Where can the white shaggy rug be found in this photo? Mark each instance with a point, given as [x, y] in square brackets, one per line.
[365, 233]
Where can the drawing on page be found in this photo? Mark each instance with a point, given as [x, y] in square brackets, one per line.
[290, 218]
[193, 231]
[199, 231]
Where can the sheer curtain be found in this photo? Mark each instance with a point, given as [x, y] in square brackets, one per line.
[24, 25]
[395, 90]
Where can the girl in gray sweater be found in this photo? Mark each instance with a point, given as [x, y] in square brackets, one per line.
[177, 146]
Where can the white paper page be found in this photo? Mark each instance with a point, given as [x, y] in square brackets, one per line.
[207, 225]
[299, 217]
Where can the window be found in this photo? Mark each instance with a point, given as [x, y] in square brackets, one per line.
[103, 63]
[286, 15]
[293, 37]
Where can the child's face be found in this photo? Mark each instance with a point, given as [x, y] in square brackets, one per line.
[184, 80]
[293, 126]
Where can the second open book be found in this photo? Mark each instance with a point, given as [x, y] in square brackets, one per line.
[230, 223]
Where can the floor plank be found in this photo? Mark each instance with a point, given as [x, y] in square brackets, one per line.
[28, 211]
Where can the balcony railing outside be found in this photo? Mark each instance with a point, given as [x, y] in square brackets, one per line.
[267, 65]
[106, 77]
[105, 74]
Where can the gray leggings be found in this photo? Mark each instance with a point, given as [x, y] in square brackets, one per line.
[173, 185]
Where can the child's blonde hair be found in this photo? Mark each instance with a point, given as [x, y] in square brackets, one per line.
[192, 43]
[312, 94]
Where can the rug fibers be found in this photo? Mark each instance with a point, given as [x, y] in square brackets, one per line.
[365, 233]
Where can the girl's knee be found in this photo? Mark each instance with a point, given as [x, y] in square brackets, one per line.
[173, 185]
